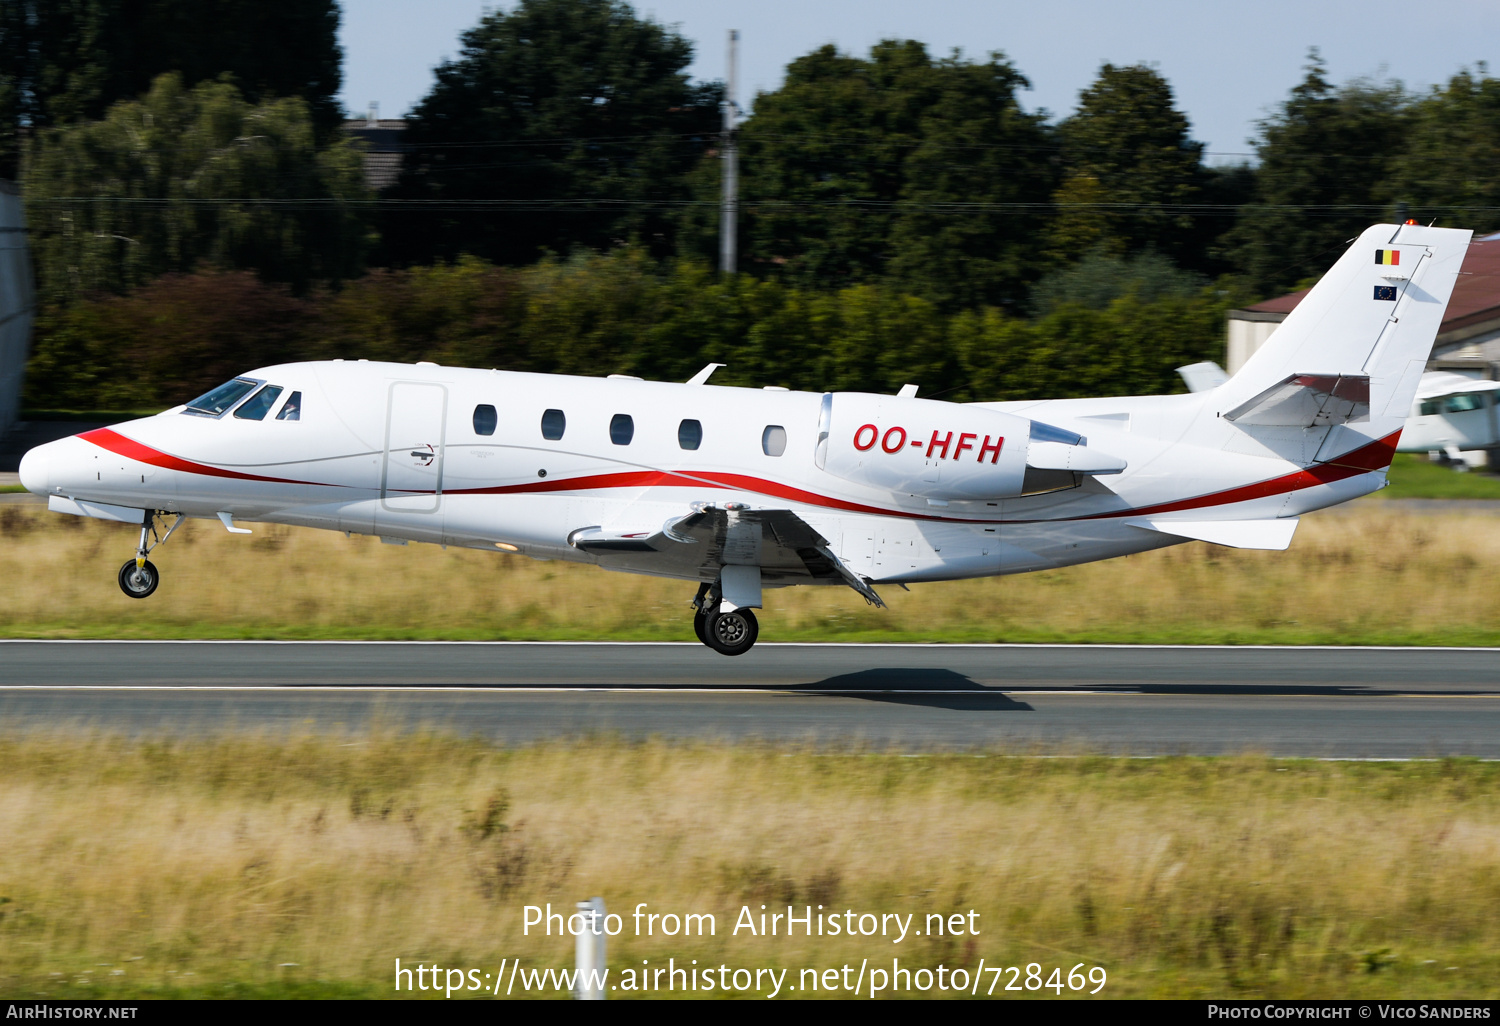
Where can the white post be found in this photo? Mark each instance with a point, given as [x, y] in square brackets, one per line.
[729, 203]
[591, 960]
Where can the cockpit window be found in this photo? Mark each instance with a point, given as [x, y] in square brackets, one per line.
[213, 404]
[259, 404]
[292, 409]
[1463, 403]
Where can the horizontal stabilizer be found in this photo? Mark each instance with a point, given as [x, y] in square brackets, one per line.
[1308, 400]
[1237, 534]
[1078, 458]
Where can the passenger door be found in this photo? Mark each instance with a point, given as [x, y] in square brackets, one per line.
[411, 475]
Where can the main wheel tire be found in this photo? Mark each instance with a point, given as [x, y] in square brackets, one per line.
[733, 633]
[138, 582]
[700, 626]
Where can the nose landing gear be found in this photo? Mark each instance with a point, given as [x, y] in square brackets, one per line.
[139, 576]
[139, 579]
[732, 633]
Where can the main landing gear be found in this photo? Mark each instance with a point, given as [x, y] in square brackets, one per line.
[731, 633]
[139, 576]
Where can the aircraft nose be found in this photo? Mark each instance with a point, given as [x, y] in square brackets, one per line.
[36, 470]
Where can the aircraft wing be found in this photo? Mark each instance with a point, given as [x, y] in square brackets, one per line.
[1442, 383]
[699, 544]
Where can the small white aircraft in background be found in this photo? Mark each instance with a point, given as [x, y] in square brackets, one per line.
[1454, 415]
[739, 489]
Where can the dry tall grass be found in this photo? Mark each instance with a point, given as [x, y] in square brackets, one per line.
[151, 867]
[1370, 575]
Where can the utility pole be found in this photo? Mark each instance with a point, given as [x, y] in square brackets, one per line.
[729, 204]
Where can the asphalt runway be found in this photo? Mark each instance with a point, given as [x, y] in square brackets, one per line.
[1321, 702]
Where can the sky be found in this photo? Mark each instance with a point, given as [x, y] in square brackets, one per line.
[1230, 64]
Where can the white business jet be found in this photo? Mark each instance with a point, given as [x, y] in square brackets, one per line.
[739, 490]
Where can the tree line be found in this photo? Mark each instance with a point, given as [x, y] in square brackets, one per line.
[565, 140]
[619, 312]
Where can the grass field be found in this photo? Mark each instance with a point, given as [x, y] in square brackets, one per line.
[306, 866]
[1416, 477]
[1368, 575]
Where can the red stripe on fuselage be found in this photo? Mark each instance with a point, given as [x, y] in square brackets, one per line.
[131, 449]
[693, 479]
[1374, 456]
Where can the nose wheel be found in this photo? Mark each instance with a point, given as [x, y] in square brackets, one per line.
[138, 581]
[139, 576]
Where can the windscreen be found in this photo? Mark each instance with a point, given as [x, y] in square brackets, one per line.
[258, 405]
[212, 404]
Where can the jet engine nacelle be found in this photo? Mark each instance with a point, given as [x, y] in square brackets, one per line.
[920, 447]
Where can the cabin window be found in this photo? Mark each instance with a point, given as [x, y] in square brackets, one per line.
[773, 440]
[292, 408]
[1463, 403]
[259, 404]
[1429, 407]
[690, 434]
[621, 429]
[213, 404]
[554, 423]
[485, 419]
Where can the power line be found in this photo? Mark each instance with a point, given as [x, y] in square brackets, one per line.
[610, 203]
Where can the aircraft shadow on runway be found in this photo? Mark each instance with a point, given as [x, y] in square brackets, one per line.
[1281, 690]
[949, 689]
[936, 689]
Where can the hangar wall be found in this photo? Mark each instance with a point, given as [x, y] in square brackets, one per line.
[17, 303]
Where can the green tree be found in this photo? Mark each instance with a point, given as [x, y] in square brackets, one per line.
[185, 176]
[1130, 166]
[63, 61]
[577, 113]
[164, 343]
[620, 311]
[1100, 278]
[1452, 153]
[922, 173]
[1326, 160]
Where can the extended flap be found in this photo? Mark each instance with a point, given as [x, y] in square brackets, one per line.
[1237, 534]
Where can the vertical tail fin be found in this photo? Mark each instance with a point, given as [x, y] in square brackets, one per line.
[1354, 349]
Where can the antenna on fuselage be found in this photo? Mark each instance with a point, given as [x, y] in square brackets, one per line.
[701, 378]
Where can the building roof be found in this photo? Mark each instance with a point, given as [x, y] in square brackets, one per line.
[383, 148]
[1473, 310]
[1476, 297]
[1280, 305]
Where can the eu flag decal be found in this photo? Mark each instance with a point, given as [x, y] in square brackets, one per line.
[1386, 292]
[1388, 257]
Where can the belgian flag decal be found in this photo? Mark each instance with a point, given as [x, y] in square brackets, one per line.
[1388, 257]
